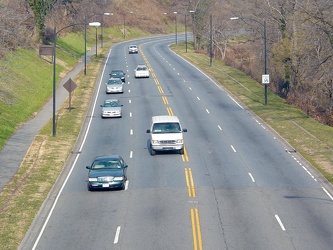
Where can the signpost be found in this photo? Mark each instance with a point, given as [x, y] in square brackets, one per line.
[70, 85]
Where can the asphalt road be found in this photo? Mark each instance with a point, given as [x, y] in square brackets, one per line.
[236, 187]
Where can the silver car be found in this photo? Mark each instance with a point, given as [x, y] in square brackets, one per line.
[114, 85]
[111, 108]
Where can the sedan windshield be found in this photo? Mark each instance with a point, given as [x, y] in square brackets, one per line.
[117, 73]
[114, 81]
[111, 104]
[113, 164]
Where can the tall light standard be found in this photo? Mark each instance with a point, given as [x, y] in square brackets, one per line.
[265, 53]
[185, 16]
[185, 35]
[85, 38]
[210, 40]
[55, 33]
[102, 24]
[193, 27]
[175, 12]
[125, 24]
[96, 25]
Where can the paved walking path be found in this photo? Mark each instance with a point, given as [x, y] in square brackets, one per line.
[16, 147]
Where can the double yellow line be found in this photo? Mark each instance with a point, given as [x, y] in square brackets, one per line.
[196, 232]
[189, 183]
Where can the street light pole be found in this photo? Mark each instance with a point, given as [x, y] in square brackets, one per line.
[102, 25]
[185, 35]
[124, 25]
[175, 12]
[54, 73]
[265, 59]
[265, 50]
[85, 46]
[211, 41]
[96, 25]
[54, 82]
[96, 42]
[193, 28]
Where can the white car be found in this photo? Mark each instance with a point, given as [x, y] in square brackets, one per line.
[141, 71]
[166, 134]
[133, 49]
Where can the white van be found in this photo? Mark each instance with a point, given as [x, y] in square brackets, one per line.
[166, 134]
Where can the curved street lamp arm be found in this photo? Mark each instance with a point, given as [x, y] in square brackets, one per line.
[71, 25]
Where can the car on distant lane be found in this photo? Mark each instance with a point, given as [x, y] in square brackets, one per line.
[114, 85]
[141, 71]
[118, 73]
[132, 49]
[111, 108]
[107, 172]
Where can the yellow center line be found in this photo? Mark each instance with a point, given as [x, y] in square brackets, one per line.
[196, 232]
[169, 111]
[190, 183]
[160, 89]
[165, 100]
[185, 155]
[187, 183]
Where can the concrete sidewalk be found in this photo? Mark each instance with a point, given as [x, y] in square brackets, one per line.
[16, 147]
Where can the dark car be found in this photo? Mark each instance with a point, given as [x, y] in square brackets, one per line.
[107, 172]
[118, 73]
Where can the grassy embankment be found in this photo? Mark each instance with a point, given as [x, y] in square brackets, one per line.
[23, 196]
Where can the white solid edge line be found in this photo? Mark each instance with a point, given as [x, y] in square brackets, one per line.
[329, 195]
[72, 167]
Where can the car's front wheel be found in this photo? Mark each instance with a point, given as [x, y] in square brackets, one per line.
[152, 151]
[181, 151]
[90, 188]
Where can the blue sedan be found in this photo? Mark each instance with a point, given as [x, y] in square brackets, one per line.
[107, 172]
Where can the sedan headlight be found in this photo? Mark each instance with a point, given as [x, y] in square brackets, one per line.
[120, 178]
[179, 141]
[92, 179]
[155, 142]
